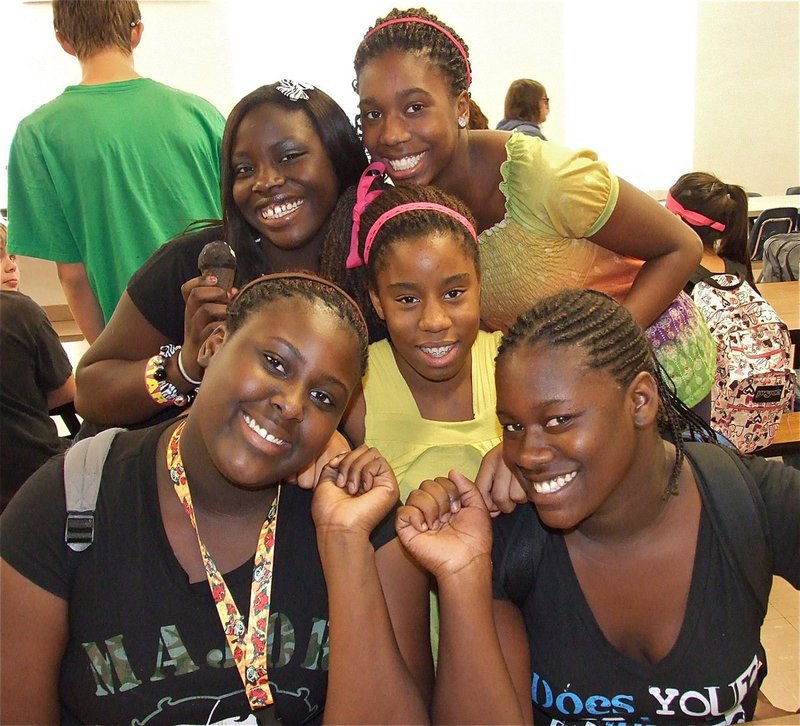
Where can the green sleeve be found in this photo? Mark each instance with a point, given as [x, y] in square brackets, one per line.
[37, 224]
[556, 191]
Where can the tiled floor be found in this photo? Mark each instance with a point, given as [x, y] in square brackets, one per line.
[781, 637]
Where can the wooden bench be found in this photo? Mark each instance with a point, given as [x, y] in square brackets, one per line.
[787, 440]
[63, 323]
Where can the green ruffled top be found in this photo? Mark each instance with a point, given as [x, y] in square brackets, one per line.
[555, 198]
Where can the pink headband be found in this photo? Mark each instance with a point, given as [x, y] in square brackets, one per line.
[695, 218]
[423, 21]
[363, 198]
[410, 207]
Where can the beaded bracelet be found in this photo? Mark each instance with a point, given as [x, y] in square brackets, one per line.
[158, 387]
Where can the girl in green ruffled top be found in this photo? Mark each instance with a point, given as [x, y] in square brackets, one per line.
[548, 218]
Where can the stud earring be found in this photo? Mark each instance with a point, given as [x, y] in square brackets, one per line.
[462, 123]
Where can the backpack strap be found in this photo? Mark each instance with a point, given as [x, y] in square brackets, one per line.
[710, 278]
[83, 469]
[737, 514]
[522, 555]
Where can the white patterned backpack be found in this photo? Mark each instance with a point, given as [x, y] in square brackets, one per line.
[754, 380]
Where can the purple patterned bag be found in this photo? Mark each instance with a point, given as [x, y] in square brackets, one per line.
[685, 349]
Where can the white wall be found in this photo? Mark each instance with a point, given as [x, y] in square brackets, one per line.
[657, 87]
[748, 94]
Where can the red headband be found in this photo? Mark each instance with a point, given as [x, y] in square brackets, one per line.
[695, 218]
[301, 275]
[442, 30]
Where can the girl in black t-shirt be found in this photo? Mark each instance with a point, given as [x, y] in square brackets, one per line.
[288, 153]
[630, 599]
[216, 588]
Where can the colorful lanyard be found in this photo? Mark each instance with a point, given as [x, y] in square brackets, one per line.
[247, 643]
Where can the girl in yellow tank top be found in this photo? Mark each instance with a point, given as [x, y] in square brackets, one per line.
[428, 398]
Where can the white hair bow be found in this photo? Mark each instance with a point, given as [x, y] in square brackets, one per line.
[294, 89]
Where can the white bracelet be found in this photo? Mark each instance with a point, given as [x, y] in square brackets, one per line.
[183, 370]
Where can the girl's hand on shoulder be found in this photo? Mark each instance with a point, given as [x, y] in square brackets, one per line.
[500, 489]
[206, 308]
[356, 490]
[445, 525]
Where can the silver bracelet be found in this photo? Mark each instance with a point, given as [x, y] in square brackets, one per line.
[183, 370]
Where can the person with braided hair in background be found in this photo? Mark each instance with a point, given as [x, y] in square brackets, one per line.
[630, 600]
[717, 212]
[548, 218]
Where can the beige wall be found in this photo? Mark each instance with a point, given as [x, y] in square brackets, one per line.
[624, 88]
[747, 126]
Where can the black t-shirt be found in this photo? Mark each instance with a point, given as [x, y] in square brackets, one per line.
[155, 288]
[145, 644]
[712, 673]
[32, 364]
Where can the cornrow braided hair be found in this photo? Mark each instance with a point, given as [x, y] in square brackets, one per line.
[335, 247]
[420, 39]
[268, 288]
[609, 339]
[412, 223]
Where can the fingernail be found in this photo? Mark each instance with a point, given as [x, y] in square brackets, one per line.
[211, 279]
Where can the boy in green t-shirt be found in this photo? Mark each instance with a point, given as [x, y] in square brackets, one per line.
[106, 172]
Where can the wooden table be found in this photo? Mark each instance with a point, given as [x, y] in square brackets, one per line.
[756, 205]
[785, 298]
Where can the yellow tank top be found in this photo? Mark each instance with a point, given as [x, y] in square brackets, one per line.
[419, 448]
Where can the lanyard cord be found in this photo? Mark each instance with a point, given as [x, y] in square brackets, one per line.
[248, 643]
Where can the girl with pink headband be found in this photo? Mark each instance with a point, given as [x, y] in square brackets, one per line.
[717, 212]
[428, 400]
[548, 218]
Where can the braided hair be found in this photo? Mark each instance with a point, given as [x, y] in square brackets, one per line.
[268, 288]
[332, 262]
[412, 223]
[419, 39]
[609, 339]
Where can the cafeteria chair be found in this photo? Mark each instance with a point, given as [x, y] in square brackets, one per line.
[792, 190]
[754, 194]
[771, 221]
